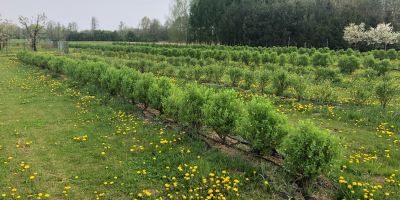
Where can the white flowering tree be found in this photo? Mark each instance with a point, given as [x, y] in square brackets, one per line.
[5, 31]
[382, 34]
[354, 34]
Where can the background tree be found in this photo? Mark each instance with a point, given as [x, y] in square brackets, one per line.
[178, 20]
[6, 30]
[73, 26]
[94, 25]
[144, 27]
[122, 30]
[34, 28]
[354, 33]
[384, 34]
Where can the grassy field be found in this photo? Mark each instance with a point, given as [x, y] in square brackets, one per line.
[60, 140]
[369, 133]
[66, 140]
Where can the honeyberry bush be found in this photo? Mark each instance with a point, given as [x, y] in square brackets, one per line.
[311, 152]
[263, 126]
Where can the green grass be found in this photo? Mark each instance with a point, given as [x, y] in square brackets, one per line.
[60, 129]
[369, 152]
[54, 103]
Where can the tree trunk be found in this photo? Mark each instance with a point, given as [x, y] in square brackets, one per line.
[34, 45]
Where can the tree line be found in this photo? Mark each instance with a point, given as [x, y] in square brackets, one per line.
[301, 23]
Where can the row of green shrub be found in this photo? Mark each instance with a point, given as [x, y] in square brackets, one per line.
[248, 76]
[381, 54]
[255, 59]
[309, 151]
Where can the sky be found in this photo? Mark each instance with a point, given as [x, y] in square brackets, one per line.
[109, 13]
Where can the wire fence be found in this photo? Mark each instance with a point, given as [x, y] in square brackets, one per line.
[12, 48]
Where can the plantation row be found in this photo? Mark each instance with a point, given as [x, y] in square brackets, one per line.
[238, 53]
[309, 151]
[284, 79]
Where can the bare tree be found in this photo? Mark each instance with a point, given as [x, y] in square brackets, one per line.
[50, 32]
[6, 30]
[95, 24]
[34, 28]
[73, 26]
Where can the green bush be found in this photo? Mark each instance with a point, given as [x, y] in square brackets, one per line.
[182, 72]
[256, 58]
[369, 62]
[324, 93]
[263, 78]
[169, 71]
[299, 84]
[198, 73]
[191, 102]
[349, 63]
[360, 92]
[246, 56]
[235, 74]
[304, 60]
[235, 56]
[293, 58]
[329, 73]
[142, 86]
[391, 54]
[265, 58]
[209, 72]
[172, 104]
[310, 151]
[323, 60]
[158, 92]
[385, 90]
[383, 66]
[129, 79]
[282, 59]
[263, 126]
[56, 63]
[273, 57]
[249, 79]
[110, 80]
[280, 82]
[222, 112]
[350, 52]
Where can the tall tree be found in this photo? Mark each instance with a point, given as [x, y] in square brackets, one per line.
[94, 25]
[178, 20]
[73, 26]
[34, 28]
[144, 26]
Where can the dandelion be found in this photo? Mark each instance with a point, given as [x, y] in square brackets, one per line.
[32, 177]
